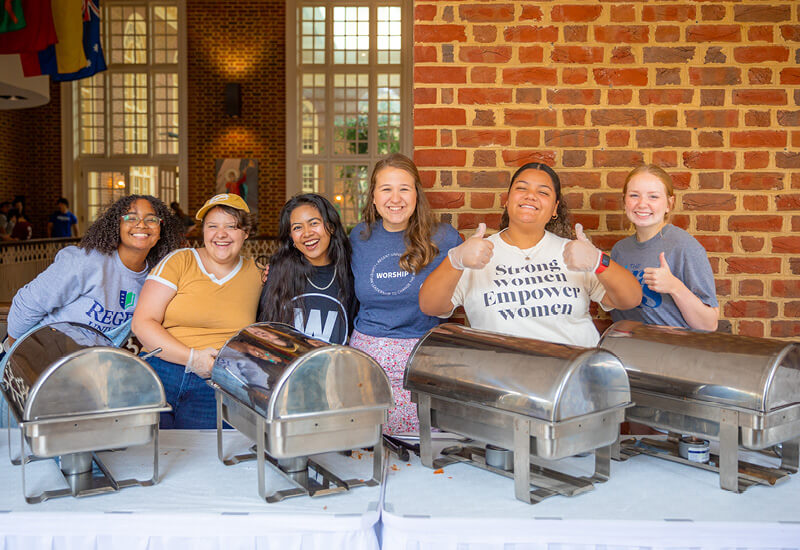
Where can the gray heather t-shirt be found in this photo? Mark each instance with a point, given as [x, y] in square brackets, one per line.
[688, 261]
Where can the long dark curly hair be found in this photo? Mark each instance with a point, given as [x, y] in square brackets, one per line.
[561, 225]
[288, 267]
[103, 234]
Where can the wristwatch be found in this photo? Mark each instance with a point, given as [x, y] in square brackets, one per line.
[603, 263]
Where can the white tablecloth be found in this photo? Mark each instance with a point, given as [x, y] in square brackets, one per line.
[647, 503]
[199, 503]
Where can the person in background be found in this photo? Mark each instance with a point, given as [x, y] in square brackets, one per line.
[310, 283]
[395, 247]
[6, 223]
[23, 230]
[192, 303]
[532, 279]
[62, 223]
[677, 281]
[188, 222]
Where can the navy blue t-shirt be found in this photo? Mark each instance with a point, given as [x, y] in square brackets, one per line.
[388, 295]
[62, 223]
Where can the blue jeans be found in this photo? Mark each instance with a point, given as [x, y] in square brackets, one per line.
[192, 400]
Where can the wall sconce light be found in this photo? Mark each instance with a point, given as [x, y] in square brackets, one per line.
[233, 100]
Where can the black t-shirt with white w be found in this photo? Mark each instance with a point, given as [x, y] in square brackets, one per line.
[319, 313]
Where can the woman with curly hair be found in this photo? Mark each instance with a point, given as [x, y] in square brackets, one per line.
[395, 247]
[97, 282]
[531, 279]
[194, 300]
[310, 284]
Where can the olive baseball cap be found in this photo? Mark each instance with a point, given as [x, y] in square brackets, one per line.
[228, 199]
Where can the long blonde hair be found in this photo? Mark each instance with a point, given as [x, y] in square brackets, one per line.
[420, 249]
[662, 176]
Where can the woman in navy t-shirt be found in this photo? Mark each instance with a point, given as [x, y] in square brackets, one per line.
[395, 247]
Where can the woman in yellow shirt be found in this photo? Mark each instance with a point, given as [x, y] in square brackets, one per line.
[193, 301]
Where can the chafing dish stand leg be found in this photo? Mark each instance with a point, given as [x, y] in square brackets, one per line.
[602, 463]
[729, 451]
[790, 456]
[424, 415]
[522, 457]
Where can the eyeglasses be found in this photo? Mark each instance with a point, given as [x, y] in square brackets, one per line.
[133, 219]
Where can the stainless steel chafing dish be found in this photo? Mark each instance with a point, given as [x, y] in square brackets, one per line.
[743, 392]
[295, 396]
[538, 399]
[73, 394]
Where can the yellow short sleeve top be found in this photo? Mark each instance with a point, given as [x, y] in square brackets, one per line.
[206, 311]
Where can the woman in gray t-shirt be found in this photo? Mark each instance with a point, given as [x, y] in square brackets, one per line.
[673, 268]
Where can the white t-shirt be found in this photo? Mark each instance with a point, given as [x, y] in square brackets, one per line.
[536, 298]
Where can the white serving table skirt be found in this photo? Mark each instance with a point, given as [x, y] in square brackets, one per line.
[199, 503]
[648, 503]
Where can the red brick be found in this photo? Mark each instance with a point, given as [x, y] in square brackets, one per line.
[791, 309]
[759, 76]
[755, 223]
[427, 178]
[787, 202]
[588, 221]
[785, 288]
[754, 329]
[571, 75]
[439, 157]
[722, 243]
[573, 201]
[759, 54]
[572, 138]
[757, 119]
[710, 139]
[796, 224]
[439, 33]
[707, 223]
[445, 199]
[760, 33]
[681, 180]
[755, 203]
[617, 138]
[655, 139]
[668, 117]
[620, 97]
[484, 117]
[619, 117]
[665, 159]
[585, 180]
[791, 32]
[668, 33]
[679, 54]
[758, 138]
[751, 308]
[658, 14]
[490, 179]
[606, 242]
[789, 118]
[483, 96]
[527, 33]
[486, 13]
[756, 159]
[790, 76]
[482, 200]
[625, 34]
[624, 13]
[527, 138]
[794, 266]
[530, 117]
[469, 220]
[530, 75]
[709, 201]
[424, 96]
[715, 76]
[759, 97]
[756, 181]
[530, 12]
[665, 97]
[482, 138]
[425, 54]
[787, 160]
[713, 33]
[784, 329]
[575, 13]
[713, 12]
[762, 13]
[440, 75]
[617, 222]
[606, 201]
[483, 75]
[572, 96]
[574, 117]
[786, 245]
[620, 77]
[425, 138]
[518, 158]
[622, 54]
[703, 160]
[723, 286]
[531, 54]
[576, 33]
[716, 118]
[484, 34]
[529, 95]
[751, 244]
[424, 12]
[484, 54]
[573, 159]
[616, 158]
[439, 117]
[577, 54]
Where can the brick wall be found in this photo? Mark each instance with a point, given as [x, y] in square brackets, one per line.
[708, 90]
[240, 42]
[30, 158]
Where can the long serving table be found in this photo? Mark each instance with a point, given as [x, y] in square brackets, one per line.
[200, 503]
[647, 503]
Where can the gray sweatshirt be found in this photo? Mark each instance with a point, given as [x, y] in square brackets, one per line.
[89, 288]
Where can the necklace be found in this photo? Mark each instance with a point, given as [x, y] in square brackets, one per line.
[525, 252]
[326, 287]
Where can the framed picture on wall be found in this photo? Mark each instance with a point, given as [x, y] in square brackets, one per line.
[239, 176]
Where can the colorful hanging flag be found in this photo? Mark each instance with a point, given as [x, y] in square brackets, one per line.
[38, 33]
[12, 18]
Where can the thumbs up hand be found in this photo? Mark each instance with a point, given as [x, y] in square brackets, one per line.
[581, 254]
[474, 253]
[660, 278]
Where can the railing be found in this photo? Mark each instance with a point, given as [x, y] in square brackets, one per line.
[21, 261]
